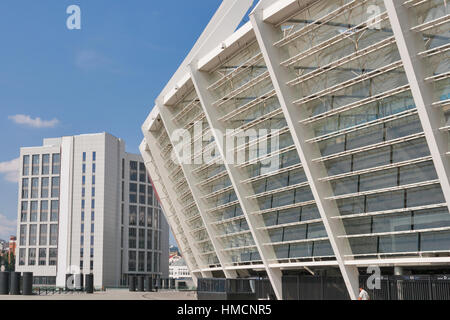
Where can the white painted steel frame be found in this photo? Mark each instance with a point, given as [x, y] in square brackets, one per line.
[267, 36]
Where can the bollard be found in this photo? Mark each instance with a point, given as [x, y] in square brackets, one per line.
[132, 283]
[27, 284]
[149, 284]
[4, 283]
[89, 283]
[140, 284]
[14, 283]
[78, 281]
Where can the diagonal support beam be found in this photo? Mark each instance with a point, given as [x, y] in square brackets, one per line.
[266, 35]
[158, 178]
[410, 44]
[243, 192]
[197, 193]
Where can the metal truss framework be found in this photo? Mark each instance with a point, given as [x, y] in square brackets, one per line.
[220, 46]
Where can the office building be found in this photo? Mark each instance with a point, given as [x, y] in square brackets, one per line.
[87, 206]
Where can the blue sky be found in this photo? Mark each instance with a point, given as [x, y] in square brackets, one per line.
[103, 77]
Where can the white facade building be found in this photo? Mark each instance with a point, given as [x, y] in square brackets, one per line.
[344, 106]
[86, 206]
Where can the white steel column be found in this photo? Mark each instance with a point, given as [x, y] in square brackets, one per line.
[243, 192]
[410, 44]
[193, 182]
[162, 183]
[267, 35]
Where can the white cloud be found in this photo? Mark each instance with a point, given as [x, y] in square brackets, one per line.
[10, 169]
[7, 227]
[34, 123]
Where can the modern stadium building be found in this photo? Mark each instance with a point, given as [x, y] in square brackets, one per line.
[311, 139]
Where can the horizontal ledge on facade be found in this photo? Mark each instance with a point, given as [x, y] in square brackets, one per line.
[410, 258]
[318, 23]
[380, 234]
[431, 24]
[271, 174]
[264, 97]
[230, 235]
[275, 191]
[410, 137]
[315, 261]
[291, 224]
[267, 156]
[224, 206]
[238, 70]
[349, 83]
[256, 141]
[280, 243]
[436, 50]
[357, 104]
[245, 265]
[186, 109]
[213, 178]
[438, 77]
[249, 84]
[337, 63]
[400, 210]
[217, 223]
[382, 190]
[239, 248]
[441, 103]
[365, 125]
[289, 206]
[376, 169]
[259, 120]
[218, 192]
[333, 40]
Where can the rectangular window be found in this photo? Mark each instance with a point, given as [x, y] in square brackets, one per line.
[133, 170]
[34, 211]
[142, 198]
[56, 163]
[34, 188]
[82, 228]
[81, 240]
[132, 235]
[55, 187]
[93, 191]
[22, 253]
[141, 261]
[133, 193]
[25, 188]
[33, 235]
[93, 168]
[45, 164]
[23, 235]
[44, 211]
[84, 156]
[133, 215]
[132, 260]
[83, 204]
[142, 173]
[53, 256]
[123, 168]
[54, 210]
[92, 228]
[83, 180]
[93, 203]
[150, 217]
[94, 156]
[31, 257]
[35, 165]
[43, 235]
[83, 168]
[93, 180]
[83, 192]
[150, 196]
[141, 238]
[82, 215]
[24, 212]
[44, 187]
[53, 234]
[123, 191]
[142, 216]
[92, 253]
[149, 262]
[92, 240]
[149, 239]
[92, 216]
[26, 165]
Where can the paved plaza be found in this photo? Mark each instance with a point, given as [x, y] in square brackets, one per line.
[112, 294]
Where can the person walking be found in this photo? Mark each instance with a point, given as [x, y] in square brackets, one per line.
[363, 295]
